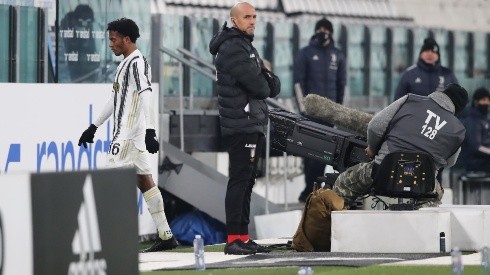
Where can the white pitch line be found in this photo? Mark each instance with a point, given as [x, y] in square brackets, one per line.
[166, 260]
[315, 259]
[470, 259]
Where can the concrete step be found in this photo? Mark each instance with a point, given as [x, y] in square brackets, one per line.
[391, 231]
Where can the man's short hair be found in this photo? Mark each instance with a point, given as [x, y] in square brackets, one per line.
[126, 27]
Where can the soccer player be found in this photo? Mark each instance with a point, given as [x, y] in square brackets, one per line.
[134, 131]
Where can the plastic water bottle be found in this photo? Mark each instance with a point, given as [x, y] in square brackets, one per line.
[442, 242]
[485, 260]
[457, 262]
[305, 270]
[199, 253]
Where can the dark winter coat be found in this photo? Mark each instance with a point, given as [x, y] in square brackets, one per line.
[477, 134]
[242, 87]
[424, 79]
[321, 70]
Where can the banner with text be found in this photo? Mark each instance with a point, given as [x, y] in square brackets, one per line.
[41, 126]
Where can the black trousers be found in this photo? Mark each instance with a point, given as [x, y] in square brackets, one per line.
[244, 151]
[312, 169]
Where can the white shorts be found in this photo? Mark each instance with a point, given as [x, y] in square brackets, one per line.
[124, 154]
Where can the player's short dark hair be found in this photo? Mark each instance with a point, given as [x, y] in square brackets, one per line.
[126, 27]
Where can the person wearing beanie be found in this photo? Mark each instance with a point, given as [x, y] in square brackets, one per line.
[412, 124]
[319, 68]
[427, 75]
[325, 24]
[458, 96]
[475, 152]
[481, 97]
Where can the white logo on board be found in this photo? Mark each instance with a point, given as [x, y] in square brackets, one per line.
[86, 241]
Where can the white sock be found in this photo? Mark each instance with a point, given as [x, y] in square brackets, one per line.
[154, 200]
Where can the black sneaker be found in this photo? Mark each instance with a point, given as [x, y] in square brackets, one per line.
[237, 247]
[259, 248]
[162, 245]
[302, 199]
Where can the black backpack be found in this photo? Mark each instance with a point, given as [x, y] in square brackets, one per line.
[405, 175]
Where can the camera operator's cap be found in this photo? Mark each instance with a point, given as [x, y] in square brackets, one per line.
[458, 95]
[430, 45]
[480, 93]
[324, 22]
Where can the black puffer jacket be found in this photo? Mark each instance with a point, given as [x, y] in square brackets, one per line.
[240, 82]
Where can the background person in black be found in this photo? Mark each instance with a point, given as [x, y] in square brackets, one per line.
[243, 84]
[427, 75]
[320, 68]
[475, 152]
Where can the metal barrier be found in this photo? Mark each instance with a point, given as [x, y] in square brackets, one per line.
[475, 189]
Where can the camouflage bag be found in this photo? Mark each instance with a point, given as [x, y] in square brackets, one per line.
[314, 229]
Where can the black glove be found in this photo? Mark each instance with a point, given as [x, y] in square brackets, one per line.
[152, 144]
[273, 82]
[87, 136]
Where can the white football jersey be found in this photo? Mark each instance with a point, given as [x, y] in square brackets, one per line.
[133, 76]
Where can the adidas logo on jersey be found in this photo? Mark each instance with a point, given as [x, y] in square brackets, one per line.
[86, 241]
[418, 80]
[315, 57]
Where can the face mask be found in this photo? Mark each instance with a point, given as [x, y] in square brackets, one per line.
[322, 37]
[483, 109]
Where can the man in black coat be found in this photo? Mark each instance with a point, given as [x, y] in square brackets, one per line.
[427, 75]
[320, 68]
[243, 84]
[475, 153]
